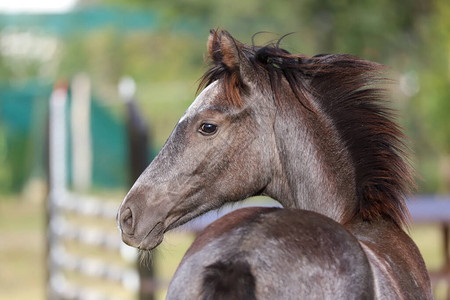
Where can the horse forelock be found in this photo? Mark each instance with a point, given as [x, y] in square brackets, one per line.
[348, 90]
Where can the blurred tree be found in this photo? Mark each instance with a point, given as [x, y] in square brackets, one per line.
[432, 103]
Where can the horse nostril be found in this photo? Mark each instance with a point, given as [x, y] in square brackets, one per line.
[126, 221]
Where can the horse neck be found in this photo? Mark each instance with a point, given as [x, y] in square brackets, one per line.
[313, 167]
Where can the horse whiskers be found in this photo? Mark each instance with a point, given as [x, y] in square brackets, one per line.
[145, 257]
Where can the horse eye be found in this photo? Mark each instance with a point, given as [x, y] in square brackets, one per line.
[208, 129]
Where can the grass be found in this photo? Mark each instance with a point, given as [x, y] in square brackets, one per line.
[22, 252]
[169, 255]
[428, 238]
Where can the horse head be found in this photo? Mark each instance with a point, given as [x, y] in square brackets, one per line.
[220, 151]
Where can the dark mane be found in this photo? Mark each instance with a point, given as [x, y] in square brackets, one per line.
[347, 89]
[228, 280]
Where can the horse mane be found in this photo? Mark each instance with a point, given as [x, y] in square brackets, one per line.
[348, 90]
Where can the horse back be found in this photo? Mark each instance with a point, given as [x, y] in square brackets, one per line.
[273, 253]
[399, 269]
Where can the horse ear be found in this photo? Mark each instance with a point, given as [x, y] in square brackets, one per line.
[223, 48]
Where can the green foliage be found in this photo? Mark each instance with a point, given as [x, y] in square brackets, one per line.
[5, 178]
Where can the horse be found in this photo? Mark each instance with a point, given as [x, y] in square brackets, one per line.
[313, 133]
[273, 253]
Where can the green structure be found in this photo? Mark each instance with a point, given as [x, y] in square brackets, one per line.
[23, 138]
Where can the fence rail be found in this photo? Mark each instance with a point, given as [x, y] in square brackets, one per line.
[61, 230]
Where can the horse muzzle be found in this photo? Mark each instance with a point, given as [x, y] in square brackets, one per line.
[137, 231]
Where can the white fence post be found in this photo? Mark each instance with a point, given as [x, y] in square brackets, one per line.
[81, 133]
[57, 181]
